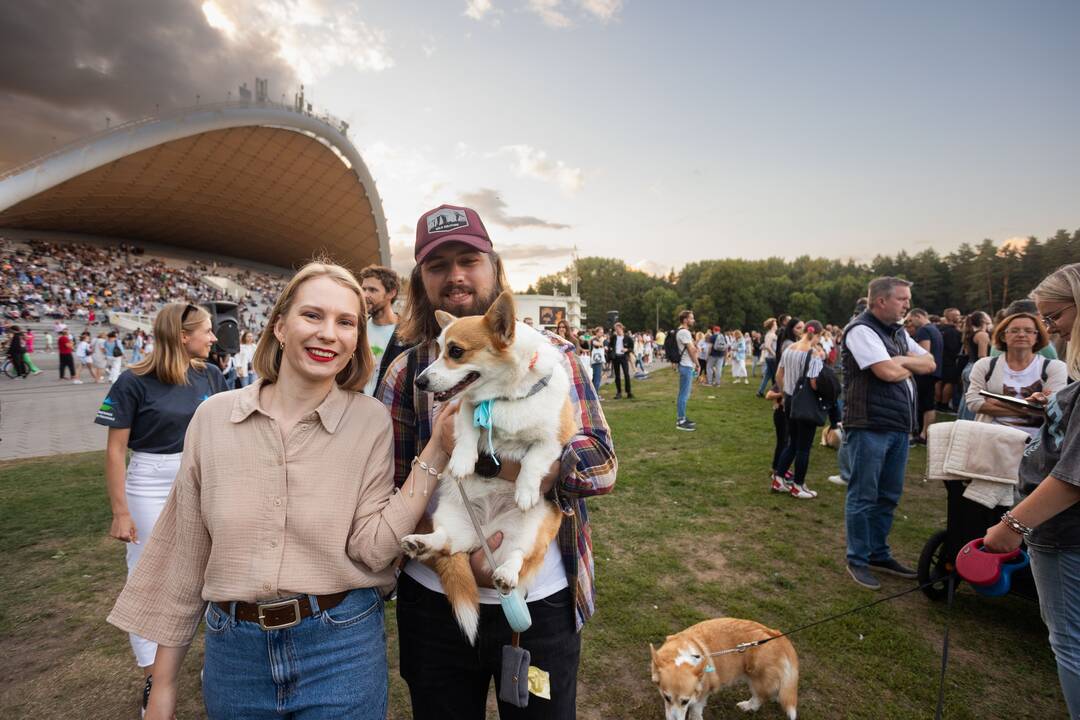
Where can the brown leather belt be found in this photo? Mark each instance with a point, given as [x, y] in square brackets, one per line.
[281, 614]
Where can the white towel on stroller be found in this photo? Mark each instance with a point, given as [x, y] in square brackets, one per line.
[987, 454]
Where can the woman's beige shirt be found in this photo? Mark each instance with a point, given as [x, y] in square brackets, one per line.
[251, 518]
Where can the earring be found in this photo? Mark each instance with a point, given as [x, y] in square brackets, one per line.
[282, 346]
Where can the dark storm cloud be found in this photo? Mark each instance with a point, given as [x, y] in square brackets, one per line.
[492, 209]
[67, 64]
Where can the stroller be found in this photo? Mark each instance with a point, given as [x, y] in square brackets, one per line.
[965, 521]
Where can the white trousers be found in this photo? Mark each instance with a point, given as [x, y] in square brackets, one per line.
[150, 477]
[115, 365]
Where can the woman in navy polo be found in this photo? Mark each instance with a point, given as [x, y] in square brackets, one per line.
[147, 410]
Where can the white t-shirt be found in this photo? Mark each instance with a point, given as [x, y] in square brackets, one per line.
[620, 346]
[1020, 384]
[867, 349]
[684, 338]
[378, 337]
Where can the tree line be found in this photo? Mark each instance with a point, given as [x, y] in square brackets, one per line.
[742, 293]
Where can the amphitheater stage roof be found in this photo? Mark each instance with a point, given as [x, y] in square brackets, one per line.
[260, 182]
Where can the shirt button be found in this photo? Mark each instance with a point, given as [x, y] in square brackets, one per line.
[277, 502]
[273, 543]
[266, 586]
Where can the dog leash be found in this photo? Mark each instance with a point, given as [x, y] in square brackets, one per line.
[743, 647]
[951, 581]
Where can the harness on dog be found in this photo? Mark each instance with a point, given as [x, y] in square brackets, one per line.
[482, 412]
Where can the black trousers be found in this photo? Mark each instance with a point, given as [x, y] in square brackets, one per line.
[449, 679]
[19, 364]
[67, 361]
[621, 365]
[780, 425]
[800, 441]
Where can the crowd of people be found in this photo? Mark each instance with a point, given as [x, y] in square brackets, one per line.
[62, 285]
[329, 347]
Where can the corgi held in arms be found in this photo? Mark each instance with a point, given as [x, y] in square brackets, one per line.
[514, 399]
[686, 674]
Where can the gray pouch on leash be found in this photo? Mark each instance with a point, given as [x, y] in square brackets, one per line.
[514, 676]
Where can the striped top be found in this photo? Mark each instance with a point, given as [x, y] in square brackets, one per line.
[588, 461]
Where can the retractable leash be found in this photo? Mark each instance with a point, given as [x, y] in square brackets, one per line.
[514, 673]
[951, 578]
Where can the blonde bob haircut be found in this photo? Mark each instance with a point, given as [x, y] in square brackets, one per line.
[267, 360]
[169, 362]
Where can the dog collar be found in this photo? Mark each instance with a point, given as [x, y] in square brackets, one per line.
[482, 412]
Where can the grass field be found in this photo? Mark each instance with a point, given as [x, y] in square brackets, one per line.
[690, 532]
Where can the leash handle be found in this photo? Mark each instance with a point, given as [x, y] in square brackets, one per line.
[476, 525]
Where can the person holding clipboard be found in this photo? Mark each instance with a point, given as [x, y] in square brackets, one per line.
[1018, 373]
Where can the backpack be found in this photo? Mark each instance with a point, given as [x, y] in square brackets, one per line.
[671, 348]
[719, 345]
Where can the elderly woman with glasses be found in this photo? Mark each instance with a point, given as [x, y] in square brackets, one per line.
[1019, 372]
[1049, 515]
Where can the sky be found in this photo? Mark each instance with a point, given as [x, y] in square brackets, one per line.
[656, 132]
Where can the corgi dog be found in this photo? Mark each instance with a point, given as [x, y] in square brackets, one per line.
[494, 358]
[686, 674]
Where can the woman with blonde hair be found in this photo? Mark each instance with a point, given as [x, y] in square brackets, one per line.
[284, 525]
[1049, 515]
[738, 358]
[147, 411]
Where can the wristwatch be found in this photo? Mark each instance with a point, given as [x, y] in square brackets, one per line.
[486, 466]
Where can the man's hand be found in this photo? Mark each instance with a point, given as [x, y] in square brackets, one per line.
[480, 570]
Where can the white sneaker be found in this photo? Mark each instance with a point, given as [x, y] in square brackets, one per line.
[837, 480]
[802, 492]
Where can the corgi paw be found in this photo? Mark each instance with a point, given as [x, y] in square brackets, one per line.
[526, 497]
[414, 546]
[460, 465]
[750, 705]
[504, 580]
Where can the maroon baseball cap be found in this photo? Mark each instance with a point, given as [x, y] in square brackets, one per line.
[449, 223]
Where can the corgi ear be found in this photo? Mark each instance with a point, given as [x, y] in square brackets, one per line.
[444, 318]
[652, 664]
[500, 318]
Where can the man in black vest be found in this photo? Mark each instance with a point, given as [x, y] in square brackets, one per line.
[880, 359]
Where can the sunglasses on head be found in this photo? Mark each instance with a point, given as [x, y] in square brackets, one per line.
[187, 311]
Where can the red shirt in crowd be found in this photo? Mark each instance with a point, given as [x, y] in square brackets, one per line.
[64, 344]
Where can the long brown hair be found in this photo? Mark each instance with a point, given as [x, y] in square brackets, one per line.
[418, 323]
[267, 359]
[169, 362]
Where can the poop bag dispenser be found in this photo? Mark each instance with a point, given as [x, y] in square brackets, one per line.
[514, 674]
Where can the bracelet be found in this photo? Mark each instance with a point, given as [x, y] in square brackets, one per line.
[1015, 525]
[429, 470]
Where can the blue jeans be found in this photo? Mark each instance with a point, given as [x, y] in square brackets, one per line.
[876, 462]
[768, 375]
[597, 376]
[331, 665]
[1057, 575]
[686, 381]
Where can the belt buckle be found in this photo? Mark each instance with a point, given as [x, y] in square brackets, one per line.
[293, 603]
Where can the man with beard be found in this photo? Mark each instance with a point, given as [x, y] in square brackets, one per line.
[458, 271]
[380, 286]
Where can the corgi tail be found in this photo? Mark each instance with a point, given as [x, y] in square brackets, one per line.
[788, 694]
[460, 586]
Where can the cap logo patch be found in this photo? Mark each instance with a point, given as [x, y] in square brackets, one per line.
[445, 220]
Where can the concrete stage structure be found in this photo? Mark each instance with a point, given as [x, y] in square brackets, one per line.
[252, 180]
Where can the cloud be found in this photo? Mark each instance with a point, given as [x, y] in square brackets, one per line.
[492, 209]
[604, 10]
[533, 162]
[548, 11]
[535, 252]
[479, 9]
[651, 267]
[68, 65]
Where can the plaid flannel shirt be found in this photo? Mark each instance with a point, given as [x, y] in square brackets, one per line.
[588, 464]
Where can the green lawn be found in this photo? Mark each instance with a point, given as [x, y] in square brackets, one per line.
[690, 532]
